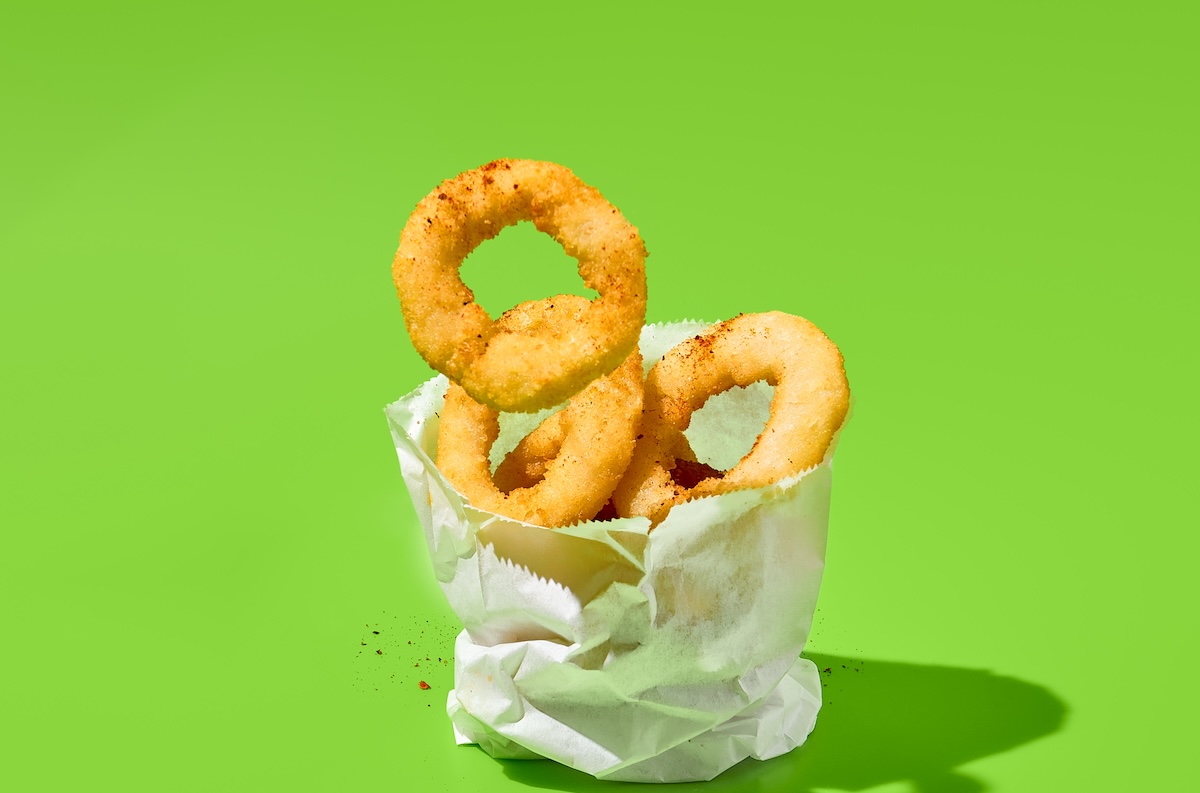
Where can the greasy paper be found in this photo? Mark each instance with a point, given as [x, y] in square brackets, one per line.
[660, 657]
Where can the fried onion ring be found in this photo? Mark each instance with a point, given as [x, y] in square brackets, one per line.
[592, 439]
[516, 370]
[810, 402]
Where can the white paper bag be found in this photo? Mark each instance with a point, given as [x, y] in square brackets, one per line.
[662, 657]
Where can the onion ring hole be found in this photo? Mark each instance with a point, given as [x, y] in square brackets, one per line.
[545, 270]
[724, 430]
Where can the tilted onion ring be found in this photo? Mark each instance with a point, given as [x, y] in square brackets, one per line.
[514, 370]
[595, 434]
[810, 402]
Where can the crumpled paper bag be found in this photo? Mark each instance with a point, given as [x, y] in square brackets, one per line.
[663, 657]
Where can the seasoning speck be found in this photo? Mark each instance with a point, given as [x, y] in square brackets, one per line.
[424, 686]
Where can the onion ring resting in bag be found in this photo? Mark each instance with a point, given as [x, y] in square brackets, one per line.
[811, 400]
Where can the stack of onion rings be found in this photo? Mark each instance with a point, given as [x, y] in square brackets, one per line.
[519, 370]
[588, 461]
[810, 402]
[580, 455]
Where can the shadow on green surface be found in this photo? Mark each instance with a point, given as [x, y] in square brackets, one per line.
[885, 722]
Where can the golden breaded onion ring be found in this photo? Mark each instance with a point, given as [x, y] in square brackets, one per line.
[594, 435]
[516, 370]
[810, 402]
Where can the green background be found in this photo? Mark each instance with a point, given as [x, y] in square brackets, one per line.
[991, 208]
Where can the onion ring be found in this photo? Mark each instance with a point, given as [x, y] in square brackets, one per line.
[515, 370]
[810, 403]
[594, 435]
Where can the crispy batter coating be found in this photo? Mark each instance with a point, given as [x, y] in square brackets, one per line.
[579, 457]
[520, 370]
[811, 399]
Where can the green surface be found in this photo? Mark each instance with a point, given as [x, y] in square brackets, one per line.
[990, 208]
